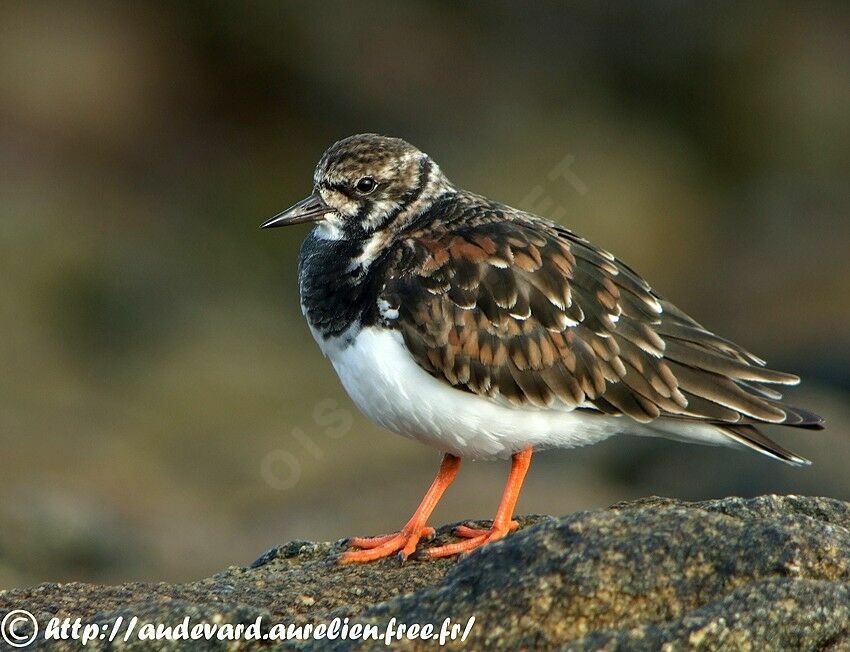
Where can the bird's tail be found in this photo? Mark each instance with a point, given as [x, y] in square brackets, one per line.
[751, 437]
[737, 435]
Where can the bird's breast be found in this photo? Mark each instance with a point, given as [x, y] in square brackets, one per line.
[337, 291]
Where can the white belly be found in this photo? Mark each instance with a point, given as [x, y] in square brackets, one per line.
[388, 386]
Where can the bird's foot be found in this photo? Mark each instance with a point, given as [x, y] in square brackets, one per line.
[371, 548]
[474, 538]
[475, 532]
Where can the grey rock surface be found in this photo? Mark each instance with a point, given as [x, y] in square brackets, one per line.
[771, 572]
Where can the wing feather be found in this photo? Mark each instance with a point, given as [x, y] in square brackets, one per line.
[522, 311]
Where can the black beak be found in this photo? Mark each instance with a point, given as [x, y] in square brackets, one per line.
[311, 209]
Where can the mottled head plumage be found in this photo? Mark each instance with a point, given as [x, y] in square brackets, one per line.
[373, 183]
[365, 184]
[374, 154]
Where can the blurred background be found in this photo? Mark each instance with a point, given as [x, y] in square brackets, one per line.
[164, 411]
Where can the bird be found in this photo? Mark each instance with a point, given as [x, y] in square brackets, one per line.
[490, 333]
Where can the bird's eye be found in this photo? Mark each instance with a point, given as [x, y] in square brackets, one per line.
[366, 185]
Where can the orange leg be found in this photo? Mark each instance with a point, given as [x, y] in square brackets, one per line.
[502, 524]
[404, 542]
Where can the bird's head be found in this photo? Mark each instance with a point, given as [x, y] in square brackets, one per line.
[364, 184]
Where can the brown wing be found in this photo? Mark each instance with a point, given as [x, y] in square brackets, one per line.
[523, 311]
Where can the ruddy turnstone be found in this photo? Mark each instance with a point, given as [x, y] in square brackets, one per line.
[488, 332]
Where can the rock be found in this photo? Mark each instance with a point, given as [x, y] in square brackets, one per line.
[764, 573]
